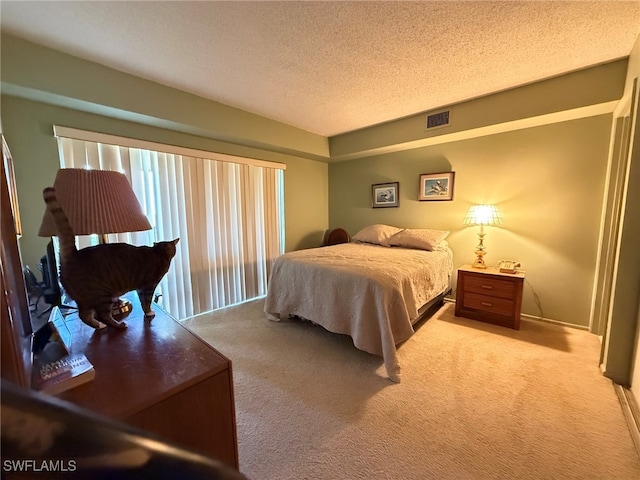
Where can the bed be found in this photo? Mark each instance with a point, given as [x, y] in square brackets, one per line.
[373, 289]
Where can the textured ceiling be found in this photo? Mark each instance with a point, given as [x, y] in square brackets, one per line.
[332, 67]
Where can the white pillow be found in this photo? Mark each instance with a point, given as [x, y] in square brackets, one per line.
[377, 234]
[420, 238]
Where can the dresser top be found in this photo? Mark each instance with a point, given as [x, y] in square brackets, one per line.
[140, 365]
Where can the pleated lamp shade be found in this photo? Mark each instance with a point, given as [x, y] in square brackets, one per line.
[95, 202]
[483, 215]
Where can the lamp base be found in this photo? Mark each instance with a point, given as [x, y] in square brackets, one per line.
[479, 263]
[121, 308]
[480, 251]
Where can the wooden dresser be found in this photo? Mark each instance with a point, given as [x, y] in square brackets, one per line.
[489, 296]
[158, 376]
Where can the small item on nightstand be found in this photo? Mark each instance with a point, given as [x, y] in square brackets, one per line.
[508, 266]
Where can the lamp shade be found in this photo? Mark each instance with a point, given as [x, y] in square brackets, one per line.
[483, 215]
[95, 202]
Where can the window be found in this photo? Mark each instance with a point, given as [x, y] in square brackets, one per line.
[227, 211]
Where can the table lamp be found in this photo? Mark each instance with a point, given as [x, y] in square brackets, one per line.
[97, 202]
[482, 215]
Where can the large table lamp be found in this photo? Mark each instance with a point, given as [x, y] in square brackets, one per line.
[482, 215]
[96, 202]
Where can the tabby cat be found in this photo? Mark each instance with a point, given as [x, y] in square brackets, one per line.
[95, 276]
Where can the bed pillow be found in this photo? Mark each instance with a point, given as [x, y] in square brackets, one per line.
[419, 238]
[442, 247]
[377, 234]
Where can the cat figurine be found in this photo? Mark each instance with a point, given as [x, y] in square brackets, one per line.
[94, 276]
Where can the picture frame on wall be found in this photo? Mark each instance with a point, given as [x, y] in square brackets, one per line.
[436, 186]
[385, 195]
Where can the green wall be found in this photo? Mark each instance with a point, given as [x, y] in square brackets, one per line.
[42, 87]
[548, 182]
[539, 152]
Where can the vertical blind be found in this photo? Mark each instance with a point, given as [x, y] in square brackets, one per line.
[229, 217]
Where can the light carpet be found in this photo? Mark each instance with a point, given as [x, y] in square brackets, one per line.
[476, 401]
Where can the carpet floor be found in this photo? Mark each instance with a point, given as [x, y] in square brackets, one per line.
[476, 401]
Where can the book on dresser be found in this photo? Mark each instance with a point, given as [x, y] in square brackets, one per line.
[63, 374]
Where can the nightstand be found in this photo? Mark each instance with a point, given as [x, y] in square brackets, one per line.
[489, 296]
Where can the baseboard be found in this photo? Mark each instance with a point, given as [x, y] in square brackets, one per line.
[555, 322]
[631, 413]
[526, 316]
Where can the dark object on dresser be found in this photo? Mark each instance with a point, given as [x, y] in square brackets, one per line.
[35, 288]
[52, 293]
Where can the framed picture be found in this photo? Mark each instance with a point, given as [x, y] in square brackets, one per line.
[384, 195]
[436, 186]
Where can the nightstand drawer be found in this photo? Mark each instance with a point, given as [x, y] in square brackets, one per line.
[486, 285]
[485, 303]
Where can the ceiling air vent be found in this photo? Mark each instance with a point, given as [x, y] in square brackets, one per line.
[439, 119]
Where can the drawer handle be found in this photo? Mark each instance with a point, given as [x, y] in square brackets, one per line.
[487, 304]
[487, 287]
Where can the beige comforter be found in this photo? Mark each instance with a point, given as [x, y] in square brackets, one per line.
[369, 292]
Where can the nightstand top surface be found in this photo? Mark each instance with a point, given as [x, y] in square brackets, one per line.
[491, 271]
